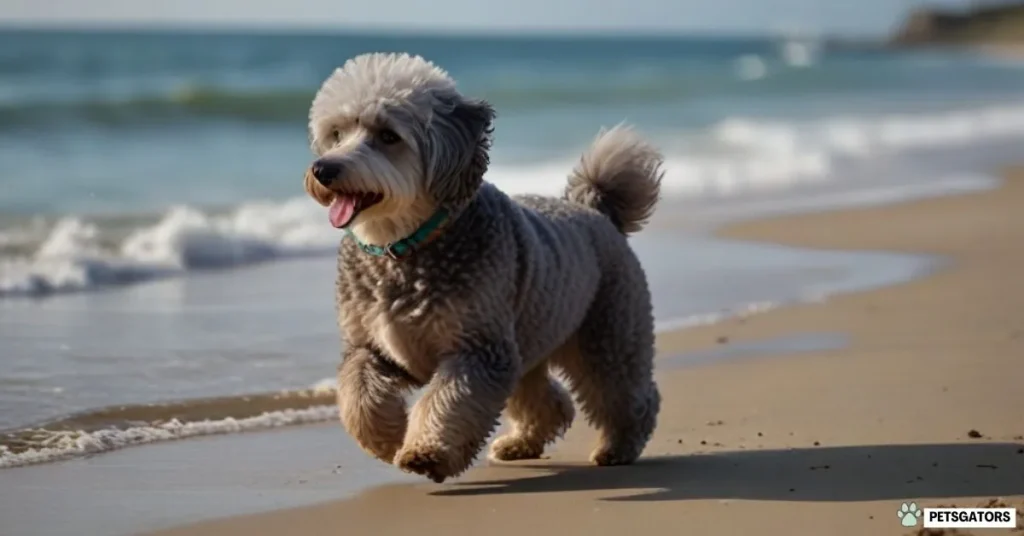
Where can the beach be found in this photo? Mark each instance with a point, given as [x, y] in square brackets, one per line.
[183, 261]
[923, 403]
[816, 418]
[832, 265]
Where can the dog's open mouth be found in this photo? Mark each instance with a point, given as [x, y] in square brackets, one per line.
[346, 207]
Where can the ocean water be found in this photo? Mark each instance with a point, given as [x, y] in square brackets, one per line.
[155, 243]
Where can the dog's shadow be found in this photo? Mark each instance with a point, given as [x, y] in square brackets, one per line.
[862, 473]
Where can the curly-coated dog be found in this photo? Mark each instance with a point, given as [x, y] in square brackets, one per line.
[446, 282]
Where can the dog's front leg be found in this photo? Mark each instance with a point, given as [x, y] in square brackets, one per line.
[371, 401]
[461, 407]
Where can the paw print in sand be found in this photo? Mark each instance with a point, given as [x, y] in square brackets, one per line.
[909, 514]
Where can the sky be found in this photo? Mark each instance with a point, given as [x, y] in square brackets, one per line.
[861, 17]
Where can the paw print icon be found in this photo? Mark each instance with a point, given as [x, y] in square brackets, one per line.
[909, 514]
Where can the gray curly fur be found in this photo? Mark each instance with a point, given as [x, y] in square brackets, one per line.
[514, 291]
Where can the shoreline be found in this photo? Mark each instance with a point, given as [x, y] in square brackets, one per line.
[753, 444]
[1006, 51]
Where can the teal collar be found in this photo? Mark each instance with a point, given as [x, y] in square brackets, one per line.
[426, 233]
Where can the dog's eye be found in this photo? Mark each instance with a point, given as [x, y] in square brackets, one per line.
[388, 137]
[335, 135]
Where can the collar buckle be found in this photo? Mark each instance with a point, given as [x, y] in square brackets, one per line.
[390, 251]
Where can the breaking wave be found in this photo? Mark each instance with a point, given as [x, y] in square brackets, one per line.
[735, 156]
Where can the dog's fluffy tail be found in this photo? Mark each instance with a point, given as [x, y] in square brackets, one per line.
[620, 176]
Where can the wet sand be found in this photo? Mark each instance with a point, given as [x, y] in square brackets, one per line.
[923, 402]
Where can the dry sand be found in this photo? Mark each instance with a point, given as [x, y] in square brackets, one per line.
[1009, 51]
[828, 442]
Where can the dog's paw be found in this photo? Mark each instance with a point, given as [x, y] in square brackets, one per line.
[604, 456]
[423, 461]
[510, 448]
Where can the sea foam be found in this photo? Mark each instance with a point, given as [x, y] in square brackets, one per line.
[71, 444]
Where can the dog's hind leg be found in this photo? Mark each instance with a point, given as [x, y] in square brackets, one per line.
[611, 373]
[540, 411]
[371, 401]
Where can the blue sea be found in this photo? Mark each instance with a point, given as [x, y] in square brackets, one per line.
[156, 244]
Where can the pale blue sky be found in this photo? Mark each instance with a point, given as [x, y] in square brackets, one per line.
[758, 16]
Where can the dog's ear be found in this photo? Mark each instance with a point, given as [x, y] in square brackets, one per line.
[458, 139]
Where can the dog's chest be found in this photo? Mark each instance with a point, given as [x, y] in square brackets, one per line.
[411, 322]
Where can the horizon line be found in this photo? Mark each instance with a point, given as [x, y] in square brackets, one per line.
[292, 28]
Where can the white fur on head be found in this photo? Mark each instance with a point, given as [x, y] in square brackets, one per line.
[442, 156]
[376, 78]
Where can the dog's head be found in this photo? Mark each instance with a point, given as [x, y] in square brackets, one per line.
[394, 141]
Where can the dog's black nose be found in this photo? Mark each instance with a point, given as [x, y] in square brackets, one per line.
[326, 171]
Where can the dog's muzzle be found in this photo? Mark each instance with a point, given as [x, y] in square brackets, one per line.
[327, 171]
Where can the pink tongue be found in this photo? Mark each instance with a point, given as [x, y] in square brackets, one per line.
[341, 211]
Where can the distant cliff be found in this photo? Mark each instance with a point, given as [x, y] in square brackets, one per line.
[983, 24]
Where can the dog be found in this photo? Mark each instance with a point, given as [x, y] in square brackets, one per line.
[446, 283]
